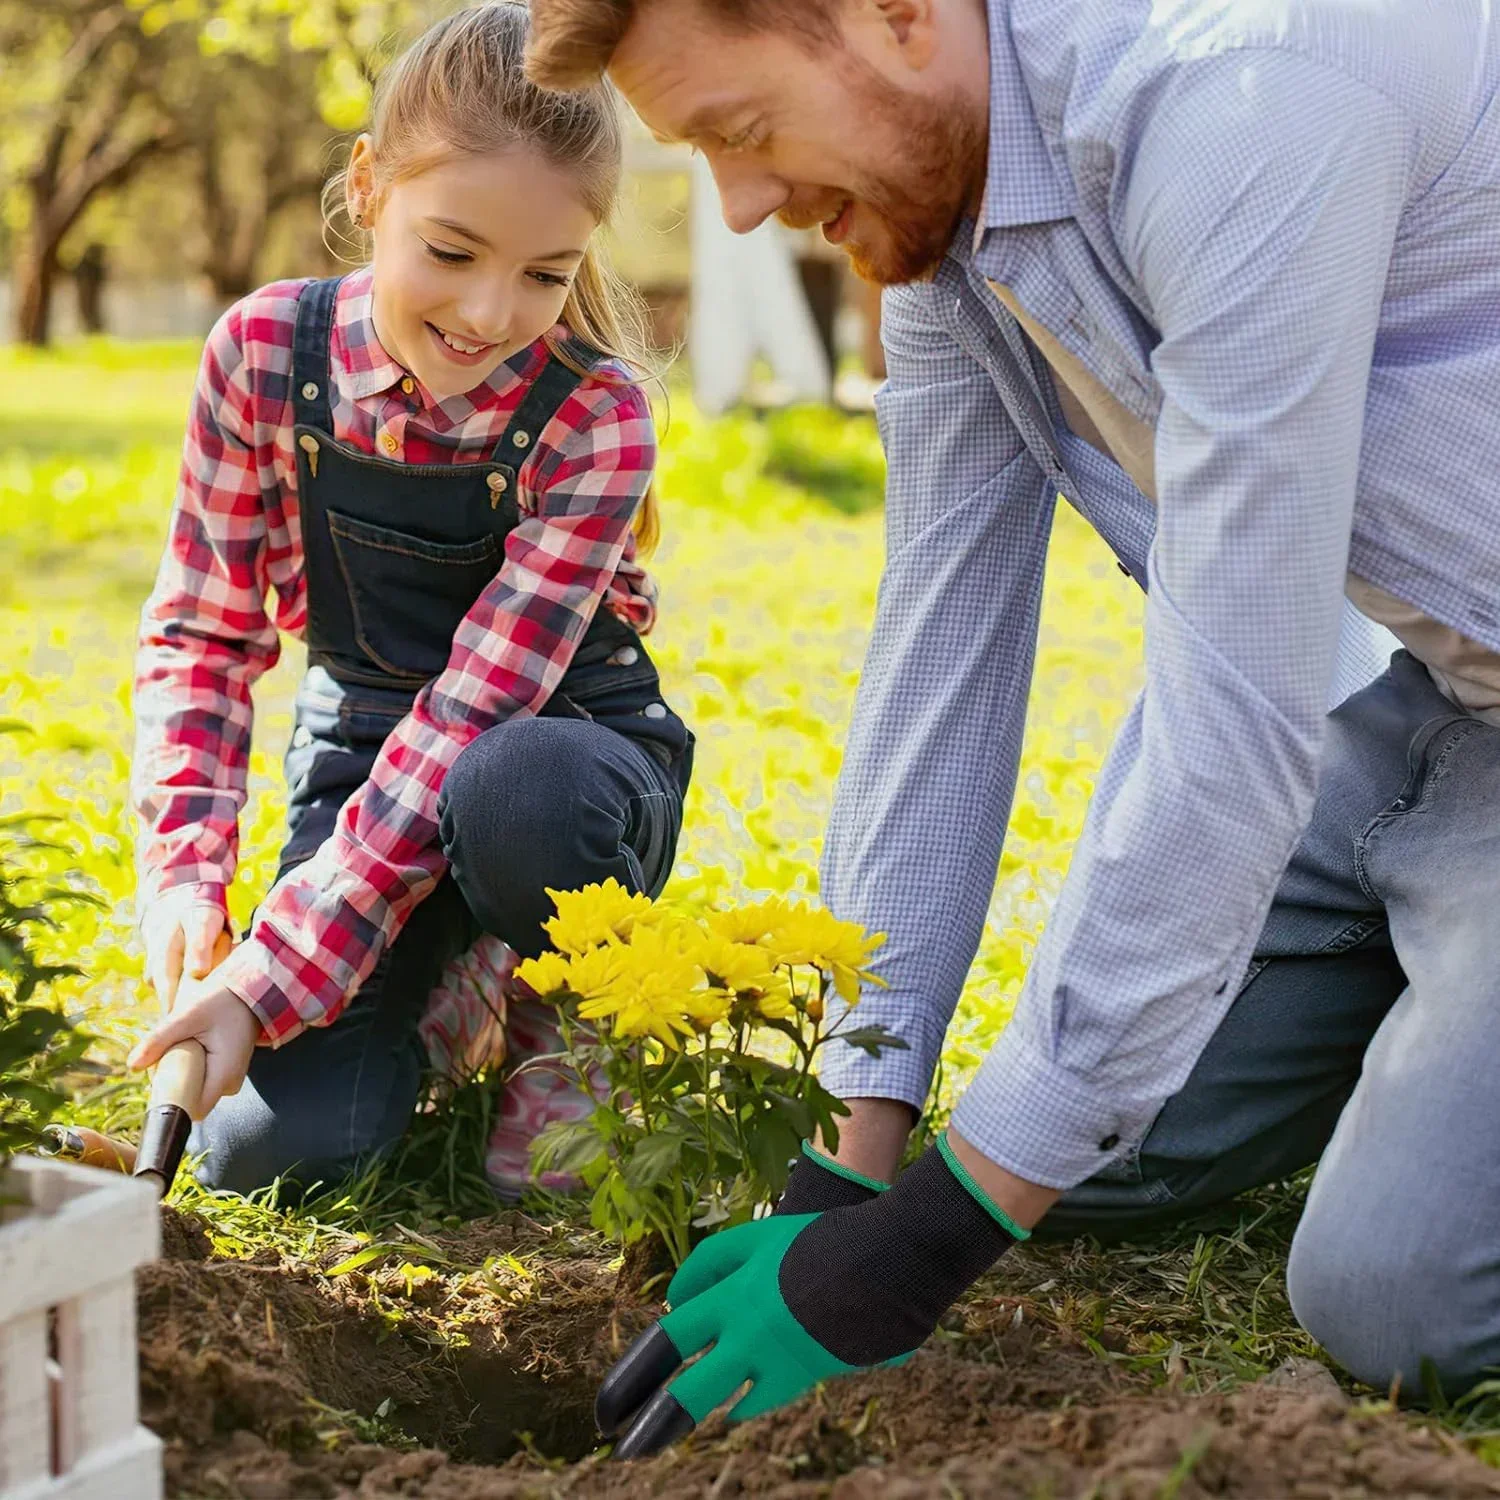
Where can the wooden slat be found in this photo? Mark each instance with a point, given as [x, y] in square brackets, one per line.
[104, 1228]
[96, 1349]
[25, 1417]
[130, 1470]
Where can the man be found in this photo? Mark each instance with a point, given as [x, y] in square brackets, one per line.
[1226, 275]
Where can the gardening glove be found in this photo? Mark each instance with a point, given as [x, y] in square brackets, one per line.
[817, 1183]
[794, 1299]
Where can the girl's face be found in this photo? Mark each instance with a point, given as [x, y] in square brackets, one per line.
[473, 259]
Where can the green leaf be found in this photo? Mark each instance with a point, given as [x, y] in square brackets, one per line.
[567, 1146]
[362, 1258]
[654, 1159]
[871, 1039]
[27, 1034]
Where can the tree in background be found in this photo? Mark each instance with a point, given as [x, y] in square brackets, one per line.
[251, 93]
[84, 107]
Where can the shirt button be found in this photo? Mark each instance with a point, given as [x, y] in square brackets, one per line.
[1109, 1143]
[655, 710]
[301, 736]
[389, 442]
[408, 384]
[626, 656]
[1121, 566]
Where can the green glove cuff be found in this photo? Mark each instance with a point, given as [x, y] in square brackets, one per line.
[838, 1169]
[977, 1193]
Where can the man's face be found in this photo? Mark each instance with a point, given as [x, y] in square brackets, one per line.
[884, 155]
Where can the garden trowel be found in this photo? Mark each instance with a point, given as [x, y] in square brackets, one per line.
[176, 1083]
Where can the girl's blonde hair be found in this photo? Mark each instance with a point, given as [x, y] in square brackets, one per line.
[461, 89]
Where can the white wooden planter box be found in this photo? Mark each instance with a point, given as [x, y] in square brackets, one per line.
[70, 1238]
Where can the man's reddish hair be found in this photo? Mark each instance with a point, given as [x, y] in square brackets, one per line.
[572, 41]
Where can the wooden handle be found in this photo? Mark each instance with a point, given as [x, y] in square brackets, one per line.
[178, 1078]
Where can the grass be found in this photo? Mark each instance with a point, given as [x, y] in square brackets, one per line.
[769, 569]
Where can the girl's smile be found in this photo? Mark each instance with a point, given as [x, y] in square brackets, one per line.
[460, 351]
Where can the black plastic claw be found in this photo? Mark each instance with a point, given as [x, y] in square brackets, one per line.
[663, 1421]
[634, 1379]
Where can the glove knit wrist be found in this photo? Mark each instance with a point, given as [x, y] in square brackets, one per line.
[870, 1283]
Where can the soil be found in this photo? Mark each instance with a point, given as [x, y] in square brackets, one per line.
[270, 1381]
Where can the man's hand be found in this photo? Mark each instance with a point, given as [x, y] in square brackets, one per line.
[222, 1024]
[180, 936]
[791, 1300]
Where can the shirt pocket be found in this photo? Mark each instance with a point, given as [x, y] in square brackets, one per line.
[407, 594]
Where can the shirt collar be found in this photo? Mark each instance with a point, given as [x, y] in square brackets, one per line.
[1022, 184]
[361, 367]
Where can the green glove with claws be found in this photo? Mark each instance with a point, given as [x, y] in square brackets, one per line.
[788, 1301]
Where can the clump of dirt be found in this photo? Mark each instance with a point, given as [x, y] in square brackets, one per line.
[233, 1354]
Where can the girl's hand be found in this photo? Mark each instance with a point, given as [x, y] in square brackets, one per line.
[222, 1024]
[179, 936]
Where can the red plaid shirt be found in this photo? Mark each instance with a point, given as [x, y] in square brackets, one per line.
[209, 630]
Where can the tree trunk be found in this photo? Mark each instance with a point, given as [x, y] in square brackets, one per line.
[36, 279]
[89, 276]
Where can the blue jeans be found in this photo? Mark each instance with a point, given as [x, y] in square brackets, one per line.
[530, 803]
[1367, 1033]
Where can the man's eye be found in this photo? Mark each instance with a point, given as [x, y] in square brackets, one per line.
[447, 257]
[744, 139]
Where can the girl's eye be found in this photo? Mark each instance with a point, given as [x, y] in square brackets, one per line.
[549, 278]
[447, 257]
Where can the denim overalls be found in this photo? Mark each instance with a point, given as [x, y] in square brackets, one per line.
[592, 786]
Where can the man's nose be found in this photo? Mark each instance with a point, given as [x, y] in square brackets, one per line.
[748, 195]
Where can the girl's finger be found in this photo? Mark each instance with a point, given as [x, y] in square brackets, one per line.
[168, 1033]
[166, 970]
[221, 1076]
[207, 940]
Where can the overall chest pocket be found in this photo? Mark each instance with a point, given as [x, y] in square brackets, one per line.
[408, 595]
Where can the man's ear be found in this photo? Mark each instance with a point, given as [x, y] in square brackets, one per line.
[913, 27]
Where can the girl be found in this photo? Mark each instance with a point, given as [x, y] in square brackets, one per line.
[440, 465]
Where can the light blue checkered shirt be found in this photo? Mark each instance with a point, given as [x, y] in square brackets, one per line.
[1271, 228]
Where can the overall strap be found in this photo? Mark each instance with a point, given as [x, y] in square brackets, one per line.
[312, 373]
[540, 404]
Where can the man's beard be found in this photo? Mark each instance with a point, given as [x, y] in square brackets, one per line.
[937, 163]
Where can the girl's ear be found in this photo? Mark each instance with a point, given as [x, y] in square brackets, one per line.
[359, 182]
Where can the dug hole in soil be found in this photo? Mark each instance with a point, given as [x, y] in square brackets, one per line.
[265, 1380]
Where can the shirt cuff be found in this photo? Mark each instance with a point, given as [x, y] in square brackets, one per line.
[284, 1002]
[183, 895]
[1043, 1123]
[903, 1073]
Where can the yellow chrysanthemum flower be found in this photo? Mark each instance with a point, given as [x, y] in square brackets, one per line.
[775, 1001]
[813, 935]
[735, 966]
[748, 924]
[597, 914]
[707, 1007]
[547, 974]
[654, 992]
